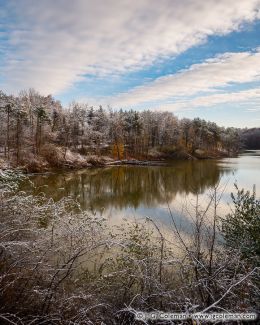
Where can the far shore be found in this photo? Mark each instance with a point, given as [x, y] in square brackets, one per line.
[74, 161]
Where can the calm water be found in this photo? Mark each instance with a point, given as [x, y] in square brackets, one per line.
[139, 191]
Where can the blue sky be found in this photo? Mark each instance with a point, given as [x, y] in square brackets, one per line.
[191, 57]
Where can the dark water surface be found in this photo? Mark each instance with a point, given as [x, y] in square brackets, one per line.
[139, 191]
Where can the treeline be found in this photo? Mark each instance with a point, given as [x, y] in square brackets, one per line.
[30, 122]
[251, 138]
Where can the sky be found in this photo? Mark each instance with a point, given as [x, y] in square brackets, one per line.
[195, 58]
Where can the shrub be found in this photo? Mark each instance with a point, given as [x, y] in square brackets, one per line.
[241, 228]
[52, 154]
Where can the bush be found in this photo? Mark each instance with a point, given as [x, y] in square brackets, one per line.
[52, 154]
[241, 228]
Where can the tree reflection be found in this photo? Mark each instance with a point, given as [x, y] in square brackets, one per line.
[131, 186]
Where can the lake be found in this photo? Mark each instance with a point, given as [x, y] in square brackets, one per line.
[138, 191]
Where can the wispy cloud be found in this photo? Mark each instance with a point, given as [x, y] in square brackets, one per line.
[53, 44]
[246, 97]
[213, 75]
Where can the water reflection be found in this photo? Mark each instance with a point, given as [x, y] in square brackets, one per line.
[133, 187]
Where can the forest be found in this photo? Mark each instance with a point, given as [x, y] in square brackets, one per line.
[37, 132]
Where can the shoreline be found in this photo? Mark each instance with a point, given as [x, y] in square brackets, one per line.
[105, 161]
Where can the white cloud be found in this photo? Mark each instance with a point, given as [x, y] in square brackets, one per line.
[208, 76]
[53, 43]
[247, 97]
